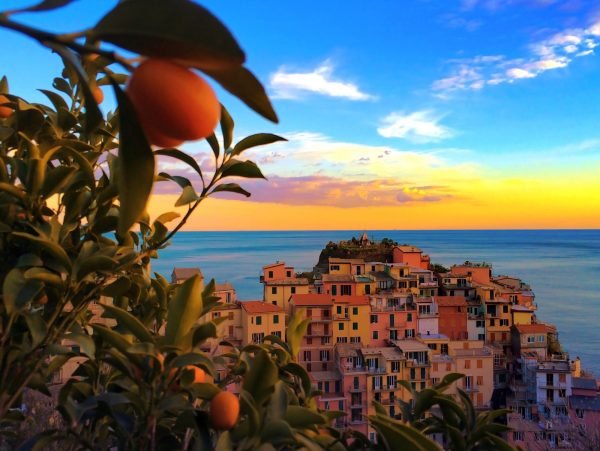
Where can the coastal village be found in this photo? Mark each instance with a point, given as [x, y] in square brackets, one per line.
[375, 323]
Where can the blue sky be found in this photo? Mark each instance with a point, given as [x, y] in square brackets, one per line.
[455, 93]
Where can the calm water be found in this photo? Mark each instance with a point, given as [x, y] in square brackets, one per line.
[562, 266]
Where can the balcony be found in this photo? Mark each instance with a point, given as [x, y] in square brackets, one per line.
[353, 369]
[397, 326]
[341, 317]
[360, 388]
[417, 363]
[320, 319]
[428, 284]
[373, 370]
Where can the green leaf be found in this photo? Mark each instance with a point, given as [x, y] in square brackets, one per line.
[188, 196]
[93, 116]
[49, 246]
[302, 417]
[4, 85]
[85, 342]
[214, 145]
[397, 435]
[44, 275]
[181, 156]
[95, 263]
[130, 322]
[45, 5]
[56, 99]
[184, 310]
[227, 125]
[261, 376]
[230, 188]
[177, 30]
[117, 288]
[258, 139]
[110, 336]
[56, 179]
[12, 190]
[136, 164]
[238, 168]
[167, 217]
[242, 83]
[37, 328]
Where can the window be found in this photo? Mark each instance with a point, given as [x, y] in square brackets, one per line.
[467, 364]
[504, 322]
[325, 340]
[216, 314]
[562, 393]
[423, 373]
[562, 377]
[479, 363]
[340, 326]
[258, 338]
[367, 289]
[413, 373]
[505, 309]
[334, 290]
[531, 339]
[481, 337]
[479, 380]
[354, 339]
[324, 356]
[395, 366]
[307, 356]
[375, 335]
[342, 339]
[339, 310]
[258, 320]
[409, 317]
[435, 367]
[373, 319]
[345, 290]
[293, 290]
[355, 310]
[579, 413]
[275, 319]
[277, 333]
[270, 274]
[423, 385]
[354, 326]
[468, 382]
[409, 333]
[492, 322]
[230, 315]
[448, 367]
[273, 290]
[334, 267]
[479, 323]
[518, 436]
[540, 338]
[444, 348]
[391, 320]
[432, 346]
[391, 381]
[435, 380]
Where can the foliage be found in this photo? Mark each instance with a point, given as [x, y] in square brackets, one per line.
[73, 183]
[440, 269]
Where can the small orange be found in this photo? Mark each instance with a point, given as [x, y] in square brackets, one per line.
[172, 101]
[5, 111]
[224, 411]
[199, 374]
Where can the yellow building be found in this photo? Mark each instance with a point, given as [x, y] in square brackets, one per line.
[351, 315]
[352, 266]
[278, 292]
[521, 314]
[476, 362]
[260, 319]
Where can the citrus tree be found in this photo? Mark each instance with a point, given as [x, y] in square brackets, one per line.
[77, 245]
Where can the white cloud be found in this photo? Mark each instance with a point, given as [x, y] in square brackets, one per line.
[292, 85]
[555, 52]
[417, 127]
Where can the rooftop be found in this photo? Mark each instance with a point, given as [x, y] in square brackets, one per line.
[585, 383]
[254, 307]
[451, 301]
[585, 402]
[474, 352]
[381, 275]
[388, 352]
[312, 299]
[348, 349]
[186, 273]
[521, 308]
[226, 286]
[410, 346]
[531, 328]
[407, 248]
[338, 278]
[278, 263]
[325, 375]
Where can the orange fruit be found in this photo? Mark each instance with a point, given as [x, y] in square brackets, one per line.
[172, 102]
[199, 374]
[98, 94]
[224, 411]
[5, 111]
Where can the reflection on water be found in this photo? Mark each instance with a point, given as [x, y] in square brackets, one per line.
[561, 265]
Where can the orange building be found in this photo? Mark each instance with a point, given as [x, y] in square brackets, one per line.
[410, 255]
[260, 319]
[453, 317]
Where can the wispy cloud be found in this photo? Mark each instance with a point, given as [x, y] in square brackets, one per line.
[288, 84]
[340, 192]
[418, 127]
[555, 52]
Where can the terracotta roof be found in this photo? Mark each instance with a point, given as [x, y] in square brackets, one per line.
[521, 308]
[273, 264]
[288, 281]
[406, 248]
[585, 383]
[254, 307]
[352, 300]
[531, 328]
[223, 286]
[338, 278]
[450, 301]
[186, 273]
[311, 299]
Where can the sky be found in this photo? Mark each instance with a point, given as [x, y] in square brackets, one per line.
[420, 114]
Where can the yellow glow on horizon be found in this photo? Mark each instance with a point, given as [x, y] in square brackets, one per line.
[512, 203]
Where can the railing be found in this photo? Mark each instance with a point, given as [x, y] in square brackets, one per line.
[354, 369]
[360, 388]
[372, 370]
[337, 316]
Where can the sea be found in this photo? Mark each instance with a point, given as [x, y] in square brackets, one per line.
[562, 266]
